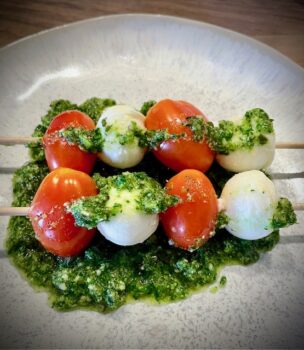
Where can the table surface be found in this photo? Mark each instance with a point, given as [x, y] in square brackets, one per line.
[278, 23]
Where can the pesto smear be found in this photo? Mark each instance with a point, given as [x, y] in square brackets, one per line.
[105, 275]
[229, 136]
[93, 141]
[117, 192]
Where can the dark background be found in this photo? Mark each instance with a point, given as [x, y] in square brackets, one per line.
[278, 23]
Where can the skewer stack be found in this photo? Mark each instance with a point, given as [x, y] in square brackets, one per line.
[258, 211]
[230, 144]
[18, 140]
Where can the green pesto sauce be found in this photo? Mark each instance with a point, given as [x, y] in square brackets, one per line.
[284, 215]
[87, 140]
[252, 130]
[143, 194]
[106, 276]
[222, 220]
[135, 135]
[146, 106]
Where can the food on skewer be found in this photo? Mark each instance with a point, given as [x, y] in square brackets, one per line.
[92, 107]
[249, 208]
[66, 209]
[54, 227]
[129, 227]
[243, 144]
[183, 153]
[190, 223]
[104, 274]
[126, 209]
[119, 139]
[246, 144]
[121, 147]
[253, 208]
[61, 153]
[177, 139]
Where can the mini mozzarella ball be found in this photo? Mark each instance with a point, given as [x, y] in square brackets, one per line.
[259, 157]
[130, 226]
[249, 199]
[115, 154]
[129, 229]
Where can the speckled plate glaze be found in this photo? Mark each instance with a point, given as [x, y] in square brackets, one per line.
[133, 58]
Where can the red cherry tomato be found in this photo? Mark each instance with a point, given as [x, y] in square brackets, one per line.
[54, 227]
[192, 222]
[182, 153]
[58, 152]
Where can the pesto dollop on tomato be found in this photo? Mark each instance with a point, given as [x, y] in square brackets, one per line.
[106, 275]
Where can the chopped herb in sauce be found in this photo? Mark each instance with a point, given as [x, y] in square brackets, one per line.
[152, 138]
[87, 140]
[199, 127]
[94, 106]
[284, 215]
[145, 193]
[223, 281]
[146, 106]
[222, 220]
[230, 136]
[135, 135]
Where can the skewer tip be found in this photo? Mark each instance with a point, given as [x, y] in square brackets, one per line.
[14, 211]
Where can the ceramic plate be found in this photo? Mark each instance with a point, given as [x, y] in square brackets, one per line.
[133, 58]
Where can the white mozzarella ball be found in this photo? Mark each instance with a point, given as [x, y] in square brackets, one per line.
[115, 154]
[249, 200]
[259, 157]
[129, 228]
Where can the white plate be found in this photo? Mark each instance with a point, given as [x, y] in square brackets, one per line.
[133, 58]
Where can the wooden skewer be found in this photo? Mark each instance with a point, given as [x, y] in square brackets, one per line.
[289, 145]
[24, 211]
[298, 206]
[16, 140]
[14, 211]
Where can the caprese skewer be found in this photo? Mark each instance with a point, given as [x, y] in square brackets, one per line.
[177, 132]
[126, 209]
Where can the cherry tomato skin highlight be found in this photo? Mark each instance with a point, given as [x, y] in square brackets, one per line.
[58, 152]
[182, 153]
[54, 227]
[192, 222]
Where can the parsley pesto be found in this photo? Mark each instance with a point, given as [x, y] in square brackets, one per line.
[135, 135]
[222, 220]
[146, 106]
[105, 276]
[87, 140]
[118, 194]
[229, 136]
[284, 215]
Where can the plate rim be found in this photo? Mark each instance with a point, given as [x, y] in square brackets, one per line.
[222, 30]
